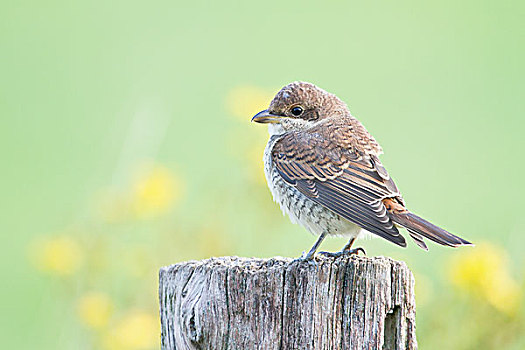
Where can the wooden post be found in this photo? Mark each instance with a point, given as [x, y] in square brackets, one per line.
[240, 303]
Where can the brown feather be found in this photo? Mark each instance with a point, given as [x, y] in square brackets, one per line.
[417, 225]
[339, 174]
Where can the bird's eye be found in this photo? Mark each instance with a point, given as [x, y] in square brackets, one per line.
[297, 111]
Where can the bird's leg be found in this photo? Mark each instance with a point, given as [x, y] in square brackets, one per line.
[312, 251]
[347, 250]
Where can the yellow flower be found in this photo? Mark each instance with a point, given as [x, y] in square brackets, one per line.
[135, 331]
[254, 156]
[94, 309]
[484, 272]
[155, 192]
[244, 102]
[59, 255]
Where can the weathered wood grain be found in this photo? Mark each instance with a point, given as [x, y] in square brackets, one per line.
[240, 303]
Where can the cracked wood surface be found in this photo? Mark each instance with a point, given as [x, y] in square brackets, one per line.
[241, 303]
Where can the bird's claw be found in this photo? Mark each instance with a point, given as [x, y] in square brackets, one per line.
[343, 252]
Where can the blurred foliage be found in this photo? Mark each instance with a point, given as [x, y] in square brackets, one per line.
[126, 145]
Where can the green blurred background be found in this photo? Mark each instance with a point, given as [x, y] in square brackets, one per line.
[126, 145]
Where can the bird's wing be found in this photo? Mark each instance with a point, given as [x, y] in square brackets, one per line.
[340, 171]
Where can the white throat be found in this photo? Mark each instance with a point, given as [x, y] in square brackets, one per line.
[289, 124]
[275, 129]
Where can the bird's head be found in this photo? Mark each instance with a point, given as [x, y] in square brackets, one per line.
[299, 106]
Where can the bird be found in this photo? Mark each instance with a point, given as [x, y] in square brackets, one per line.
[322, 167]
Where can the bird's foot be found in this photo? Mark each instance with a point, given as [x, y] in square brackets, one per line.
[305, 257]
[343, 252]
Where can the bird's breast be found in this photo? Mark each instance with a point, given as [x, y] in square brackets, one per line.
[300, 208]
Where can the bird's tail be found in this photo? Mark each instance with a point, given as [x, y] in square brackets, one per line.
[419, 228]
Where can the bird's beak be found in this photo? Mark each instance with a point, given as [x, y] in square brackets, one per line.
[266, 117]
